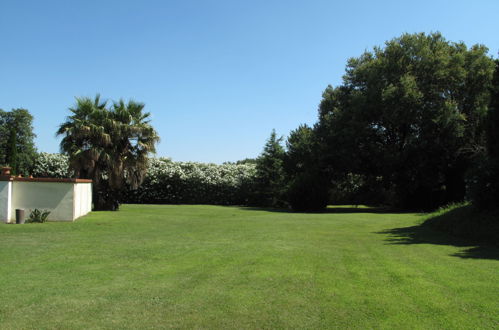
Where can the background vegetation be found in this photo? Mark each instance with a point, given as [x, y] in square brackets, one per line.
[413, 126]
[408, 120]
[17, 147]
[170, 182]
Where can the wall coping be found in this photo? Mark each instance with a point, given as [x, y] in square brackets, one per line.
[61, 180]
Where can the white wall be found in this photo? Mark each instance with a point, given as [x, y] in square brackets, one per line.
[82, 199]
[5, 198]
[57, 197]
[66, 200]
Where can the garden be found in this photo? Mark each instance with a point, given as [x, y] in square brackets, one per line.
[382, 214]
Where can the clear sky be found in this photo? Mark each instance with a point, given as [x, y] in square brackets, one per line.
[217, 76]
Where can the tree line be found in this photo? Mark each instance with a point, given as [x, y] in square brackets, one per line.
[413, 125]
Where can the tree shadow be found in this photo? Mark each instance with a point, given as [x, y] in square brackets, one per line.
[424, 234]
[329, 210]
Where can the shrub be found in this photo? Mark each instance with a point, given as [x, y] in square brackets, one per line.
[51, 166]
[195, 183]
[39, 216]
[175, 182]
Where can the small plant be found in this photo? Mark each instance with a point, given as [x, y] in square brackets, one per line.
[37, 215]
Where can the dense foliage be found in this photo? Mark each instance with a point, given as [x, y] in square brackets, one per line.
[403, 129]
[168, 182]
[17, 148]
[306, 189]
[408, 115]
[48, 165]
[195, 183]
[109, 145]
[484, 177]
[414, 125]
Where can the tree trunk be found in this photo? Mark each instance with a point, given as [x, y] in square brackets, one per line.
[105, 200]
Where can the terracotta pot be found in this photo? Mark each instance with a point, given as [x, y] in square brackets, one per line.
[6, 171]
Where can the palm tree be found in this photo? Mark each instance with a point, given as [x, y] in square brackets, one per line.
[109, 145]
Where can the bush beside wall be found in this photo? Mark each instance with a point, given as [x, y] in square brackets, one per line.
[51, 166]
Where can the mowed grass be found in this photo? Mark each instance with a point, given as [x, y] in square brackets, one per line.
[150, 266]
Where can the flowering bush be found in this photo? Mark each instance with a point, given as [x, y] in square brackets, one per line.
[174, 182]
[51, 166]
[195, 183]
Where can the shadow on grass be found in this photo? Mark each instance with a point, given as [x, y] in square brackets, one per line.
[330, 209]
[459, 227]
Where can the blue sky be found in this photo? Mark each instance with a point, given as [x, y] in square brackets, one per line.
[217, 76]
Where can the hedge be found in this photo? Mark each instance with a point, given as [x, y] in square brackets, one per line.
[169, 182]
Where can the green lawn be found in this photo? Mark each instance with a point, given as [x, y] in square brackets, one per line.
[228, 267]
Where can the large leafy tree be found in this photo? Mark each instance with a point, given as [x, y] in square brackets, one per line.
[493, 120]
[17, 147]
[108, 144]
[493, 142]
[409, 114]
[484, 181]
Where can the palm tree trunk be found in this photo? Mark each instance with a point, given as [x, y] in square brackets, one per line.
[105, 199]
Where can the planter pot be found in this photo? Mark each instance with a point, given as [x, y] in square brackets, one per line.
[19, 216]
[6, 171]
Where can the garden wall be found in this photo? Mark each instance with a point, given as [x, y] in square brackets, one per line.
[66, 199]
[5, 200]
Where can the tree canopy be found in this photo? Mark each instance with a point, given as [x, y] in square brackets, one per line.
[409, 113]
[17, 147]
[484, 177]
[307, 185]
[108, 144]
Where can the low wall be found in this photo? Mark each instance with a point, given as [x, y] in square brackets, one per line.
[66, 199]
[82, 200]
[5, 200]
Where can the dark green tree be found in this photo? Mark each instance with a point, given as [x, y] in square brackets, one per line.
[409, 114]
[493, 119]
[270, 175]
[307, 186]
[493, 142]
[17, 147]
[484, 178]
[300, 150]
[109, 145]
[246, 161]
